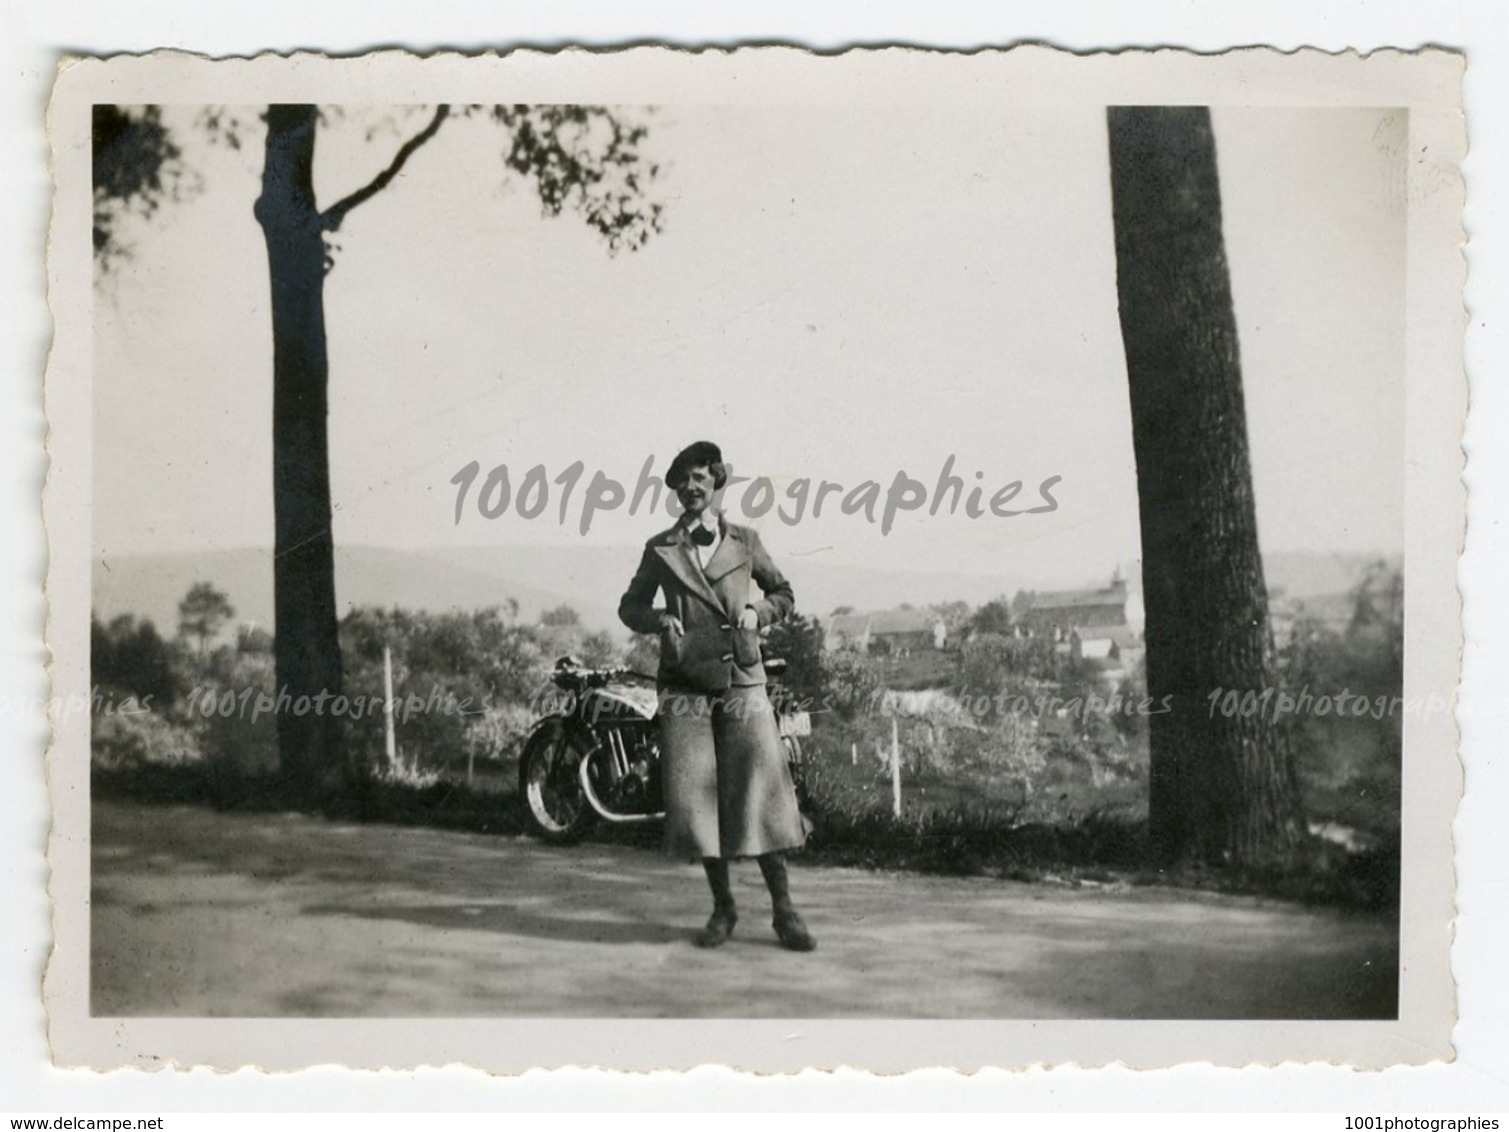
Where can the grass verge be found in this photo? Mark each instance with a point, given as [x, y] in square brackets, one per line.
[1094, 850]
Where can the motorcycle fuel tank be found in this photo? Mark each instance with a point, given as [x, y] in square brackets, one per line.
[620, 702]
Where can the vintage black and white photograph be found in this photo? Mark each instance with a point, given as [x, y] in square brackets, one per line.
[926, 540]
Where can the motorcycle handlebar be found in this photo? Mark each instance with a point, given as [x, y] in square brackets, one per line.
[570, 668]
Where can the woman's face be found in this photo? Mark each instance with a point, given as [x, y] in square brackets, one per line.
[697, 492]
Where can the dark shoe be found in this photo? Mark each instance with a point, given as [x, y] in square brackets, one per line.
[793, 933]
[720, 926]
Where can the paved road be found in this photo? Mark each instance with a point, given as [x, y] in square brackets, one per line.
[198, 913]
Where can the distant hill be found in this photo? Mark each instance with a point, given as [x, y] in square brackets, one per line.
[1302, 574]
[603, 572]
[589, 578]
[151, 585]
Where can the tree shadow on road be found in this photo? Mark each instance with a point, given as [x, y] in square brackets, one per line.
[508, 919]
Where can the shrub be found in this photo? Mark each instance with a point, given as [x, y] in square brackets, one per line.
[132, 656]
[128, 741]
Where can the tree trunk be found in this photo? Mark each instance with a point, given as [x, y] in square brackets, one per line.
[307, 644]
[1222, 785]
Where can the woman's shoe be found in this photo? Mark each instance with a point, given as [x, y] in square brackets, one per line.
[720, 925]
[792, 932]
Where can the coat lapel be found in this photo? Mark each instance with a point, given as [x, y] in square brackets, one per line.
[730, 555]
[676, 551]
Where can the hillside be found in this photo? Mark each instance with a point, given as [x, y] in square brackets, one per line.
[589, 578]
[151, 585]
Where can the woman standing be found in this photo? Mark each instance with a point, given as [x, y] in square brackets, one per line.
[728, 789]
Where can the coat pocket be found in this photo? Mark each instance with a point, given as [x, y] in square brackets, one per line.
[672, 649]
[746, 647]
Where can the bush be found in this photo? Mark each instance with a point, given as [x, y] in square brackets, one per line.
[462, 682]
[497, 737]
[849, 684]
[129, 741]
[991, 665]
[1349, 767]
[132, 656]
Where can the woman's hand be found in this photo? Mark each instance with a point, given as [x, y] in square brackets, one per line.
[749, 619]
[670, 623]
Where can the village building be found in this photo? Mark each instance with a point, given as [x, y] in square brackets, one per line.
[1102, 625]
[1058, 613]
[891, 632]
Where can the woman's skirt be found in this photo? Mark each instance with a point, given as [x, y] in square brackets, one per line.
[728, 788]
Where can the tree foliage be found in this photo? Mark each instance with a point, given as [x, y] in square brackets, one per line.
[450, 670]
[203, 612]
[799, 642]
[130, 655]
[561, 615]
[137, 165]
[851, 683]
[589, 159]
[993, 617]
[991, 664]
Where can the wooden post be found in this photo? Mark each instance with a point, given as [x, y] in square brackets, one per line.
[390, 739]
[895, 768]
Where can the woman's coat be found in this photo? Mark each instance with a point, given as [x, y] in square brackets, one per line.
[712, 652]
[728, 787]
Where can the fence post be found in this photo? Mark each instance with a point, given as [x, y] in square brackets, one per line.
[895, 768]
[390, 740]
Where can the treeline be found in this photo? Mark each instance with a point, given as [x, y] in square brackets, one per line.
[464, 688]
[1020, 727]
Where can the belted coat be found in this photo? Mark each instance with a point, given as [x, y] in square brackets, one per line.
[712, 652]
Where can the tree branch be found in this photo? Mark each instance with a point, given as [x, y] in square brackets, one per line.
[331, 218]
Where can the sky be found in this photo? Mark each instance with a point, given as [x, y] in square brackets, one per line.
[838, 294]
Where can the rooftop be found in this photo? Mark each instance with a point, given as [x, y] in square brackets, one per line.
[883, 622]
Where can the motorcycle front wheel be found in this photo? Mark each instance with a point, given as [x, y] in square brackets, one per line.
[550, 790]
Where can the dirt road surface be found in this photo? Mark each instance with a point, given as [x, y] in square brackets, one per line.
[199, 913]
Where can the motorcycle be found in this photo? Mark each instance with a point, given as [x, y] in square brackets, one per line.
[595, 756]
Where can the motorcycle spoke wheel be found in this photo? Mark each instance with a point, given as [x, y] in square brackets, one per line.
[551, 790]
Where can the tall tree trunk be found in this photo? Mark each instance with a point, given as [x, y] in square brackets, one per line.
[307, 645]
[1222, 785]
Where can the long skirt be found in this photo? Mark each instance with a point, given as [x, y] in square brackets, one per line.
[728, 788]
